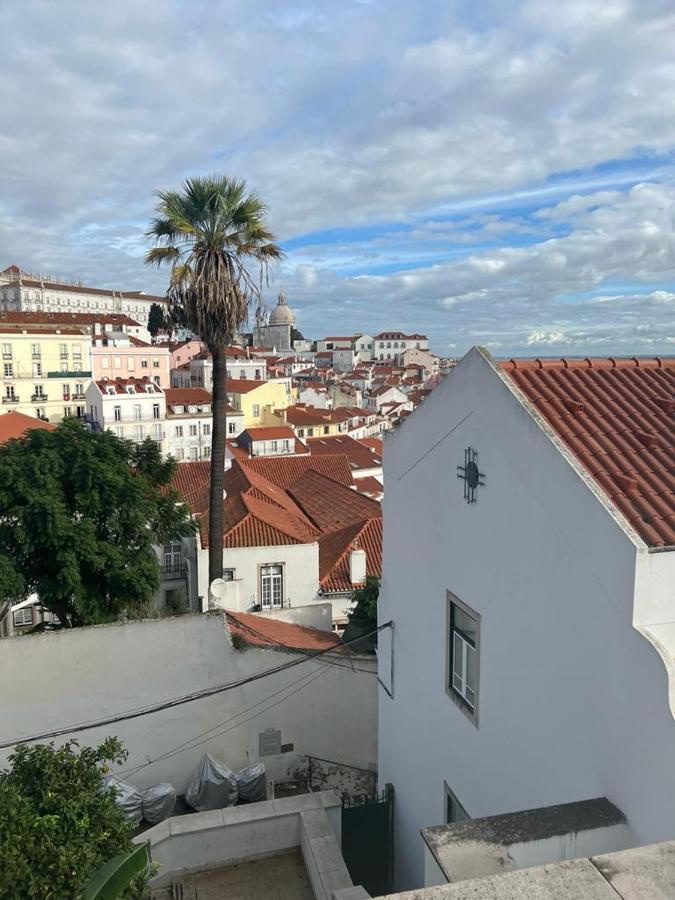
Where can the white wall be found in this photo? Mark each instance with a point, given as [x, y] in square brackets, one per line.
[301, 571]
[75, 676]
[573, 700]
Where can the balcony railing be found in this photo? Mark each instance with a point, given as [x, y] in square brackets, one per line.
[71, 373]
[10, 399]
[130, 420]
[174, 573]
[36, 398]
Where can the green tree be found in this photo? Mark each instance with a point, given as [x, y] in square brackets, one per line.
[156, 319]
[58, 824]
[211, 232]
[363, 617]
[296, 335]
[81, 513]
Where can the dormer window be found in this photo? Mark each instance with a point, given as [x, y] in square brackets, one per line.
[130, 389]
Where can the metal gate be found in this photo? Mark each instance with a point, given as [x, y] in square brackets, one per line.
[368, 840]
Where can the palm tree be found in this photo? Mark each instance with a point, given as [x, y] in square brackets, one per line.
[212, 232]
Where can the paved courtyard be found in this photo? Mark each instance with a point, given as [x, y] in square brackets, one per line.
[280, 877]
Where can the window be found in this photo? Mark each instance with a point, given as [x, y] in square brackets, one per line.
[144, 362]
[157, 432]
[63, 351]
[131, 363]
[67, 412]
[155, 362]
[463, 656]
[310, 432]
[66, 391]
[139, 432]
[63, 367]
[9, 370]
[39, 390]
[6, 351]
[193, 431]
[274, 446]
[256, 410]
[231, 427]
[172, 556]
[137, 411]
[206, 428]
[37, 370]
[242, 373]
[23, 616]
[179, 430]
[326, 429]
[287, 446]
[35, 349]
[228, 574]
[206, 453]
[454, 811]
[79, 388]
[301, 432]
[257, 374]
[117, 413]
[120, 431]
[105, 362]
[180, 454]
[194, 453]
[155, 410]
[271, 586]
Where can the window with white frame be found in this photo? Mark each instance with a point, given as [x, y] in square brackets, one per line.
[271, 586]
[228, 574]
[194, 453]
[180, 454]
[157, 432]
[37, 370]
[206, 428]
[463, 656]
[256, 410]
[206, 452]
[117, 413]
[193, 431]
[23, 616]
[231, 427]
[178, 430]
[9, 370]
[454, 811]
[155, 410]
[172, 556]
[139, 432]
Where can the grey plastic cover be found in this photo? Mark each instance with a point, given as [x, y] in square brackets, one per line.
[212, 786]
[252, 783]
[158, 802]
[128, 798]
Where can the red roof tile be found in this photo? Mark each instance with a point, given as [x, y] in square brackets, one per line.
[48, 319]
[270, 433]
[242, 385]
[335, 547]
[359, 456]
[187, 396]
[616, 416]
[369, 485]
[331, 505]
[15, 424]
[260, 631]
[286, 470]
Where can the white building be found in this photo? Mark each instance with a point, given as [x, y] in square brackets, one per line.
[189, 419]
[27, 292]
[364, 345]
[529, 570]
[390, 345]
[386, 395]
[198, 372]
[133, 408]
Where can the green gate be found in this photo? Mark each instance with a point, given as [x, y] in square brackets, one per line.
[368, 840]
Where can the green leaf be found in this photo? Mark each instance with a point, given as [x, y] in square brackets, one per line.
[112, 879]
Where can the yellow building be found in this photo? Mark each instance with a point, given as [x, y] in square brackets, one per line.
[258, 399]
[45, 372]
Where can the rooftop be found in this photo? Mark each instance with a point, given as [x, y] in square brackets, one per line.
[260, 631]
[360, 455]
[64, 318]
[242, 385]
[15, 425]
[187, 396]
[616, 416]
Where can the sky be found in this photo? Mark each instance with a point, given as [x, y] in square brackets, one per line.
[496, 173]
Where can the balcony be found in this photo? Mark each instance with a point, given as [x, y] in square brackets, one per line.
[174, 573]
[10, 399]
[38, 398]
[71, 373]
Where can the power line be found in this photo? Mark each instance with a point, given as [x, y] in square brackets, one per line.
[186, 698]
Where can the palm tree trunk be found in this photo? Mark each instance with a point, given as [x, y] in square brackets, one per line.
[218, 439]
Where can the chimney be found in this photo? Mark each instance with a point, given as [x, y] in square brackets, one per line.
[357, 565]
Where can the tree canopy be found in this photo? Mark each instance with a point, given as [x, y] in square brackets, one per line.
[58, 824]
[81, 513]
[213, 234]
[363, 617]
[157, 320]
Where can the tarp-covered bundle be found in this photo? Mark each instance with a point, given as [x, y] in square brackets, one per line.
[213, 786]
[252, 783]
[128, 798]
[158, 802]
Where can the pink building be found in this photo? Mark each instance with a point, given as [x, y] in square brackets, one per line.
[118, 355]
[182, 352]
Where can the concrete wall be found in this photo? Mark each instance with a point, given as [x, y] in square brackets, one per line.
[70, 677]
[573, 700]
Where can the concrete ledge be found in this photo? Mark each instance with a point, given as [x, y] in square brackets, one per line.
[325, 866]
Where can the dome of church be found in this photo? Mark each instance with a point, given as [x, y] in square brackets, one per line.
[282, 314]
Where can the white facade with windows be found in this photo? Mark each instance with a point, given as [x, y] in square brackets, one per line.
[391, 345]
[547, 639]
[198, 372]
[134, 409]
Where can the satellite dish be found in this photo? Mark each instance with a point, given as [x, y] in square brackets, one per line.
[218, 588]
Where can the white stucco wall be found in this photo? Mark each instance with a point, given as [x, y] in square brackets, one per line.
[573, 700]
[301, 571]
[88, 673]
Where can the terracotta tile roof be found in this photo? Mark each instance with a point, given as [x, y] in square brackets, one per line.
[121, 385]
[187, 396]
[242, 385]
[65, 318]
[616, 416]
[331, 505]
[284, 471]
[376, 443]
[370, 485]
[270, 433]
[398, 335]
[192, 481]
[359, 455]
[15, 424]
[261, 631]
[335, 547]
